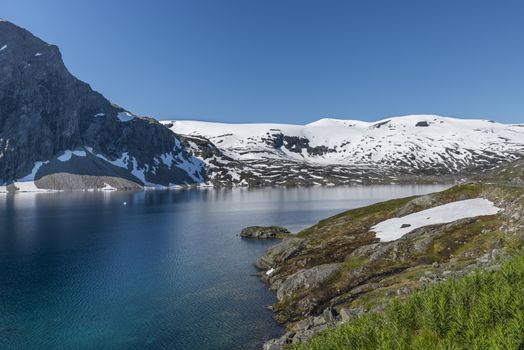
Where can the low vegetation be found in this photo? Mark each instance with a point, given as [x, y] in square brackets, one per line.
[484, 310]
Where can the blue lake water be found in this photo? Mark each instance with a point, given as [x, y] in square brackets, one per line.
[81, 270]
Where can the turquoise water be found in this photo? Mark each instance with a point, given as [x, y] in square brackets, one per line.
[166, 271]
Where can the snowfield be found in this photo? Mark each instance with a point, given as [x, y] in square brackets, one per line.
[415, 140]
[334, 151]
[391, 229]
[124, 116]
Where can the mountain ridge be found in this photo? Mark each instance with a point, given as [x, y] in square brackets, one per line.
[391, 148]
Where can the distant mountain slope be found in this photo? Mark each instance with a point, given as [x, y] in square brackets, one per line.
[345, 151]
[56, 132]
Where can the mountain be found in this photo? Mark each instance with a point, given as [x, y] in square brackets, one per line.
[57, 133]
[348, 151]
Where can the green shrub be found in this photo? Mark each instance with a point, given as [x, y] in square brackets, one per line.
[484, 310]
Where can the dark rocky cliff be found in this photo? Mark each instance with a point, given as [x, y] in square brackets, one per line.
[45, 111]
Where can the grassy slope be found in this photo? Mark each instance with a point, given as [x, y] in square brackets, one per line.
[333, 239]
[481, 311]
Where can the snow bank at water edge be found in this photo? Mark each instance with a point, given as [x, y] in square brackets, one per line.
[392, 229]
[108, 187]
[27, 183]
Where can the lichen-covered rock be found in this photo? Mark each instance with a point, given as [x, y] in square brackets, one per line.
[307, 278]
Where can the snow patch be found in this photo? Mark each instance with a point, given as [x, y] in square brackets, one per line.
[108, 187]
[31, 176]
[3, 48]
[29, 186]
[125, 116]
[138, 173]
[392, 229]
[124, 161]
[68, 154]
[27, 183]
[38, 54]
[119, 162]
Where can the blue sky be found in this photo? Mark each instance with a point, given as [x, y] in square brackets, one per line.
[291, 61]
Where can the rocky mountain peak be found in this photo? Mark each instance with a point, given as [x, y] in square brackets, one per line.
[45, 111]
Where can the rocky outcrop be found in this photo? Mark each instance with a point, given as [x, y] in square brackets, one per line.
[45, 112]
[264, 232]
[287, 249]
[307, 328]
[307, 278]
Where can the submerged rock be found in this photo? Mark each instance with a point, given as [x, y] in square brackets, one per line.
[264, 232]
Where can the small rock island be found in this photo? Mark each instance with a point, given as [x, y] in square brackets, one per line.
[264, 232]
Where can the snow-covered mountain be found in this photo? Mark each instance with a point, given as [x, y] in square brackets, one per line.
[347, 151]
[57, 133]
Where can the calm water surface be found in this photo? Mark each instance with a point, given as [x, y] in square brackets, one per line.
[166, 271]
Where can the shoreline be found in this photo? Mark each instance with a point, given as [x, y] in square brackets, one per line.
[31, 188]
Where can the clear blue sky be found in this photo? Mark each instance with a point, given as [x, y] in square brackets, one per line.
[291, 61]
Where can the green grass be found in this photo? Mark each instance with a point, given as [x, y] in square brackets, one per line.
[480, 311]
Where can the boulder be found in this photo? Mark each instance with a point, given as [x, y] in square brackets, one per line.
[347, 314]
